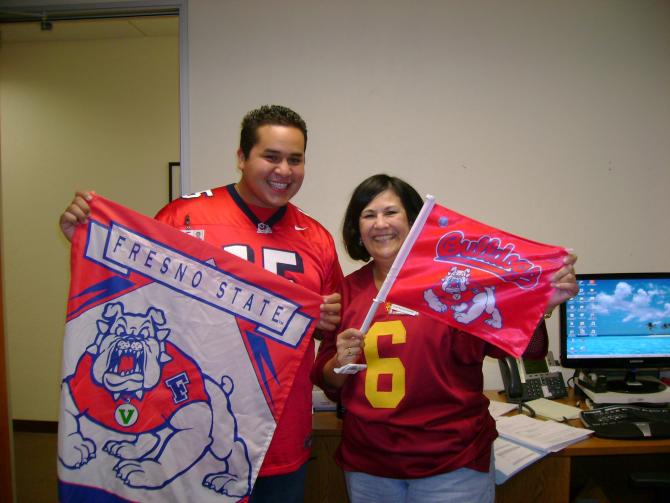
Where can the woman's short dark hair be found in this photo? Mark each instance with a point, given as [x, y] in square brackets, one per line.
[366, 191]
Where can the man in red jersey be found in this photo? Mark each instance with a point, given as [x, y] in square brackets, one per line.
[255, 220]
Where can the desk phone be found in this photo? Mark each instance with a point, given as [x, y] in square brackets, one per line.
[526, 380]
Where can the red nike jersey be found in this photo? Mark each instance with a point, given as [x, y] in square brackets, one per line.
[298, 248]
[418, 410]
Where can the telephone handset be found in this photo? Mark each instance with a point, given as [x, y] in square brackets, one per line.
[530, 379]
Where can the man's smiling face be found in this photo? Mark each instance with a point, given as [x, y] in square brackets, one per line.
[273, 172]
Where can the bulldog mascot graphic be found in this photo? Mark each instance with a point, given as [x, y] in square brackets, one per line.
[162, 413]
[451, 292]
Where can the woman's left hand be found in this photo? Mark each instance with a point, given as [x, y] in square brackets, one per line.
[564, 282]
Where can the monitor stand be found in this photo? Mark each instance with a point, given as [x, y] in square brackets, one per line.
[607, 387]
[632, 383]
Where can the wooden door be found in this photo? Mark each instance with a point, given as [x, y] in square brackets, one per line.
[5, 430]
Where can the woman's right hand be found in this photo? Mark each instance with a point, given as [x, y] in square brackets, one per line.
[350, 344]
[76, 213]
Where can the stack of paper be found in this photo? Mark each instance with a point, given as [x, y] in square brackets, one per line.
[511, 458]
[320, 402]
[524, 440]
[548, 436]
[497, 409]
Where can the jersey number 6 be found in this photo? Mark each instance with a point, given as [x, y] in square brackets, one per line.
[378, 366]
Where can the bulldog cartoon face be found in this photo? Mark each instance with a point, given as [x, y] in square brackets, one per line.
[473, 301]
[456, 281]
[129, 350]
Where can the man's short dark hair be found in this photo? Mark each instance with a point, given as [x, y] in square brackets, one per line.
[268, 115]
[366, 191]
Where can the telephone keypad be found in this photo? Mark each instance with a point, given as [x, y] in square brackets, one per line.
[549, 385]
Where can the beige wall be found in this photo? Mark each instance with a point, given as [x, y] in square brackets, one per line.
[92, 113]
[550, 119]
[547, 118]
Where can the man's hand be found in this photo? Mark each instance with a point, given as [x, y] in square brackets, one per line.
[76, 213]
[330, 312]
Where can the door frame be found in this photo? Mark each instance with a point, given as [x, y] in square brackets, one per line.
[31, 10]
[60, 10]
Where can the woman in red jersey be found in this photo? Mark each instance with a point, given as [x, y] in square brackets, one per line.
[416, 427]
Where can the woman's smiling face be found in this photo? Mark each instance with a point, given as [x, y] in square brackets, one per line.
[384, 226]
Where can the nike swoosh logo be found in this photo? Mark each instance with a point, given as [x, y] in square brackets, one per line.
[299, 228]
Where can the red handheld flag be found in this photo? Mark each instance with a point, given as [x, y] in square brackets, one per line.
[479, 279]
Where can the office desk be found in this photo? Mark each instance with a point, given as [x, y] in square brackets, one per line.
[556, 478]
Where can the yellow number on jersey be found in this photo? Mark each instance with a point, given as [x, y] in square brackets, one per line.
[378, 366]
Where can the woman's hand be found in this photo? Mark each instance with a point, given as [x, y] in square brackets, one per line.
[350, 344]
[564, 282]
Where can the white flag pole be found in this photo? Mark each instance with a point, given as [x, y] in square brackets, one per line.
[417, 227]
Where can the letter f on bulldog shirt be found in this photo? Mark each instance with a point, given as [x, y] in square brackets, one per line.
[178, 358]
[479, 279]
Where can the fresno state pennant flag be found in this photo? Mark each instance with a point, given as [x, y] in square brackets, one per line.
[178, 358]
[478, 279]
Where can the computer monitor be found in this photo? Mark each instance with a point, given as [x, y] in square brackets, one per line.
[619, 322]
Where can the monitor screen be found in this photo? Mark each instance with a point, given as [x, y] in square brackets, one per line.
[617, 321]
